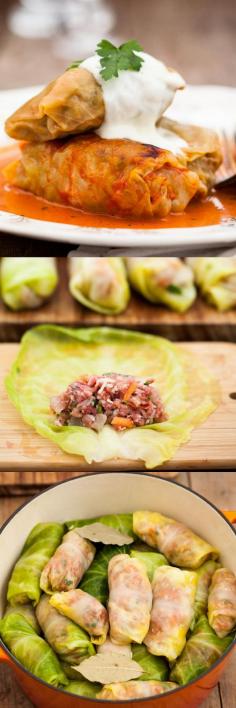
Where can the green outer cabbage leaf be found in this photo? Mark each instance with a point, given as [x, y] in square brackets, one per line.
[95, 580]
[120, 522]
[155, 668]
[201, 651]
[83, 688]
[150, 560]
[51, 357]
[24, 583]
[32, 651]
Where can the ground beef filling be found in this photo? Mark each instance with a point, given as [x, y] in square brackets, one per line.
[122, 401]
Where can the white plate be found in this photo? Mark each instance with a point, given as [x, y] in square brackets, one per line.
[210, 106]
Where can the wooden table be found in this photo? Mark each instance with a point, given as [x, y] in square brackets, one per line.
[218, 487]
[197, 37]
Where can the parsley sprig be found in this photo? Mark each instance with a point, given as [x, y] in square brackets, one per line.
[116, 59]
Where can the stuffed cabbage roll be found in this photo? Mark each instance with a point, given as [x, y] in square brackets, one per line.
[68, 564]
[84, 610]
[163, 280]
[172, 611]
[222, 602]
[110, 647]
[73, 103]
[67, 639]
[99, 283]
[27, 611]
[130, 600]
[204, 577]
[134, 689]
[24, 583]
[95, 580]
[150, 560]
[83, 688]
[26, 283]
[216, 279]
[180, 545]
[201, 651]
[31, 650]
[119, 177]
[155, 668]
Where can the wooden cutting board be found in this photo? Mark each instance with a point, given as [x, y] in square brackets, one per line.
[27, 459]
[201, 322]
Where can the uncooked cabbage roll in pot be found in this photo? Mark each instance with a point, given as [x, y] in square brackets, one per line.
[222, 602]
[172, 611]
[65, 637]
[134, 689]
[99, 283]
[85, 610]
[68, 564]
[130, 600]
[177, 542]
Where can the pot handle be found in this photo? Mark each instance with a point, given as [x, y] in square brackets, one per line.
[4, 657]
[230, 515]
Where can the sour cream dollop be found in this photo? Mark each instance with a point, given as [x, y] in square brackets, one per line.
[136, 100]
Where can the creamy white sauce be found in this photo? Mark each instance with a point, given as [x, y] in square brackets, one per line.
[136, 100]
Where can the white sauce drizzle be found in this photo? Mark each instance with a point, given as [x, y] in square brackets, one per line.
[136, 100]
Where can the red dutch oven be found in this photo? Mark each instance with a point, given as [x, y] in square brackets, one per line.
[106, 493]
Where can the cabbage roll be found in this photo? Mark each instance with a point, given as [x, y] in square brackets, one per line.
[32, 651]
[150, 560]
[172, 611]
[163, 280]
[95, 580]
[73, 103]
[24, 583]
[84, 610]
[83, 688]
[65, 637]
[130, 600]
[155, 668]
[204, 577]
[68, 564]
[216, 279]
[99, 283]
[201, 651]
[134, 689]
[222, 602]
[27, 611]
[180, 545]
[26, 283]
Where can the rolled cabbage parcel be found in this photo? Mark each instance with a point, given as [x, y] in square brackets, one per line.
[26, 283]
[85, 610]
[68, 564]
[222, 602]
[163, 280]
[24, 583]
[65, 637]
[201, 651]
[99, 283]
[180, 545]
[134, 689]
[216, 279]
[130, 600]
[172, 611]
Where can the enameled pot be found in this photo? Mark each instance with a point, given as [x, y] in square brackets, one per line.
[106, 493]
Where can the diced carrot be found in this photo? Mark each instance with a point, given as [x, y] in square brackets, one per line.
[131, 388]
[120, 422]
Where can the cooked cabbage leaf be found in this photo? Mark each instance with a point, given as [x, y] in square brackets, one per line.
[99, 283]
[150, 560]
[31, 650]
[27, 283]
[120, 522]
[200, 652]
[95, 580]
[83, 688]
[155, 668]
[51, 357]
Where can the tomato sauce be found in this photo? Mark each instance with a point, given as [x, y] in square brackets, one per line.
[214, 209]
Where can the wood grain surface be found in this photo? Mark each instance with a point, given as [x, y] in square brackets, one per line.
[212, 445]
[201, 322]
[195, 36]
[220, 488]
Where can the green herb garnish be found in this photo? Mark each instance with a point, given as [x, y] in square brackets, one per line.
[174, 289]
[75, 64]
[116, 59]
[99, 407]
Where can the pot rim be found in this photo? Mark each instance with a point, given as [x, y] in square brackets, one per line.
[99, 700]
